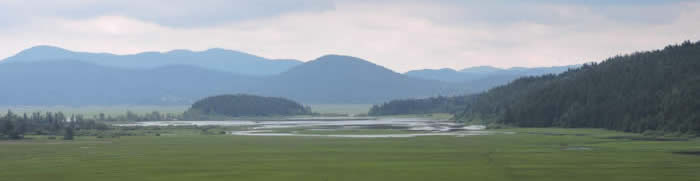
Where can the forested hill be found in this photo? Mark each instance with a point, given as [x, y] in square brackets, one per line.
[245, 105]
[655, 90]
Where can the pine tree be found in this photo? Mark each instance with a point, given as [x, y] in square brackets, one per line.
[68, 135]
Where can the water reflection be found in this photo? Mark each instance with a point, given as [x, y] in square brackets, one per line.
[410, 127]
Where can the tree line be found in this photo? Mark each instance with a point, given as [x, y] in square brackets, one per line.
[644, 91]
[15, 126]
[131, 116]
[440, 104]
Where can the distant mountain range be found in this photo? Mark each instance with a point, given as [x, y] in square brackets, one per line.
[47, 75]
[484, 72]
[214, 59]
[69, 82]
[329, 79]
[483, 78]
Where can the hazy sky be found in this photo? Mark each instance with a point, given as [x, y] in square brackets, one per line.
[401, 35]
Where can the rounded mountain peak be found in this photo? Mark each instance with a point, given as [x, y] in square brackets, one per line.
[44, 49]
[41, 52]
[340, 58]
[333, 64]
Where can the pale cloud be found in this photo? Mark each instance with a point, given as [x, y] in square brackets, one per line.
[177, 13]
[401, 35]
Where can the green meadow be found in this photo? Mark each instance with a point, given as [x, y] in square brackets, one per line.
[510, 154]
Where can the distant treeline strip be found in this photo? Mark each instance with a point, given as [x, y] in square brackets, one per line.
[431, 105]
[15, 126]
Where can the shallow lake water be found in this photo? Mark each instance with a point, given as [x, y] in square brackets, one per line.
[407, 127]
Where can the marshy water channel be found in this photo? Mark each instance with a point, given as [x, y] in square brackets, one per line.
[350, 127]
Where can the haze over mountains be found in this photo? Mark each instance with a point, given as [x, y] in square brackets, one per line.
[345, 79]
[215, 59]
[46, 75]
[485, 77]
[480, 72]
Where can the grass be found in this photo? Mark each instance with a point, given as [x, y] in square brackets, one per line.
[531, 154]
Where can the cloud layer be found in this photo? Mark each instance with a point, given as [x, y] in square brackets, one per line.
[401, 35]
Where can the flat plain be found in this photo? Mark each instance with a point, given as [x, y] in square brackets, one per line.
[529, 154]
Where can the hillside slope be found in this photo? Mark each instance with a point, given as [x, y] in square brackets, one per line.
[656, 90]
[345, 79]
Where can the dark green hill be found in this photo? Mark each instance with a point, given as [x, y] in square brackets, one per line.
[655, 90]
[245, 105]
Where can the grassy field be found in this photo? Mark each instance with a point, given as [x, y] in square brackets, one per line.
[530, 154]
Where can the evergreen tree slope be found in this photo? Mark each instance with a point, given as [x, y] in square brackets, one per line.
[655, 90]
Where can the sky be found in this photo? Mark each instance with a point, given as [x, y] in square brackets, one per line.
[399, 34]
